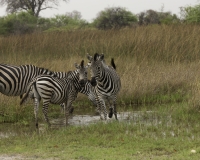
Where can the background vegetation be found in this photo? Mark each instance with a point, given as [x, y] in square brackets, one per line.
[22, 21]
[157, 64]
[157, 57]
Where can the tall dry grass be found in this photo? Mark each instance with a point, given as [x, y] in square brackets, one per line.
[156, 63]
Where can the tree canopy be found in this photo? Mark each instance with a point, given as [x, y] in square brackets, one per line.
[191, 14]
[33, 6]
[115, 17]
[154, 17]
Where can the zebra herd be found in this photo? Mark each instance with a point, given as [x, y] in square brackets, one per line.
[62, 87]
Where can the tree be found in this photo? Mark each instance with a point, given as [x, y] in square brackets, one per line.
[76, 15]
[35, 6]
[191, 14]
[114, 18]
[148, 17]
[154, 17]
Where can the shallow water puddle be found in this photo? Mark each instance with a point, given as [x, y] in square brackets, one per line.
[139, 117]
[148, 117]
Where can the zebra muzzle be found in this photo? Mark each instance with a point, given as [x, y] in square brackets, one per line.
[93, 81]
[82, 82]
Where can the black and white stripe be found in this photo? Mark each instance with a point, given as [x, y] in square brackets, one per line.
[14, 79]
[87, 89]
[73, 75]
[57, 90]
[106, 82]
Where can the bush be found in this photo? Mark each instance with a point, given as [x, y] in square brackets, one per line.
[154, 17]
[191, 14]
[17, 23]
[114, 18]
[25, 22]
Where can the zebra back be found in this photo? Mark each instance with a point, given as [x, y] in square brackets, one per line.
[54, 88]
[14, 79]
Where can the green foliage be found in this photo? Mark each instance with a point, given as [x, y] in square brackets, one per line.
[17, 23]
[26, 22]
[168, 18]
[191, 14]
[63, 20]
[114, 18]
[154, 17]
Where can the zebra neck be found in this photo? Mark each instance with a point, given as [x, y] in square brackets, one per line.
[101, 76]
[74, 76]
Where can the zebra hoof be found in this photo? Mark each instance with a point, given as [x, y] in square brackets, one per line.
[71, 110]
[110, 113]
[36, 125]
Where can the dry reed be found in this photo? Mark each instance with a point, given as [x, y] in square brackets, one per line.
[151, 60]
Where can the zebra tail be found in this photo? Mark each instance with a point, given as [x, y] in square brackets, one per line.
[24, 98]
[113, 63]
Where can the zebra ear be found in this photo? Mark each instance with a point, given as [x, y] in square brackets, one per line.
[113, 63]
[96, 56]
[89, 57]
[101, 57]
[82, 64]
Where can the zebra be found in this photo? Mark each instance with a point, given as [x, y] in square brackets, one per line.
[87, 89]
[14, 79]
[56, 90]
[106, 82]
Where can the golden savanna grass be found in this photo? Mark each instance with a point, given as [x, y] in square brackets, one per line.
[156, 63]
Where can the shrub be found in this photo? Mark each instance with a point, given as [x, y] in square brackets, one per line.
[114, 18]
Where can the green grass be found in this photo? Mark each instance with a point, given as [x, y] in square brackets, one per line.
[171, 132]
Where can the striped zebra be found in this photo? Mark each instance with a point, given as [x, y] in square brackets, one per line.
[56, 90]
[14, 79]
[87, 89]
[106, 84]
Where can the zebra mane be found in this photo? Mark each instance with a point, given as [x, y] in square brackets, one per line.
[113, 63]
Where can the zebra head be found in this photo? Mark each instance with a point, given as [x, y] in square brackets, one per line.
[95, 66]
[82, 72]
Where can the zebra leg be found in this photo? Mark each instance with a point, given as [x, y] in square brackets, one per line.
[68, 110]
[103, 108]
[37, 98]
[98, 107]
[115, 111]
[62, 107]
[92, 98]
[45, 111]
[115, 107]
[110, 109]
[36, 106]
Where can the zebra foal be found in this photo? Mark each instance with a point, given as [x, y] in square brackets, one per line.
[73, 75]
[106, 82]
[56, 90]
